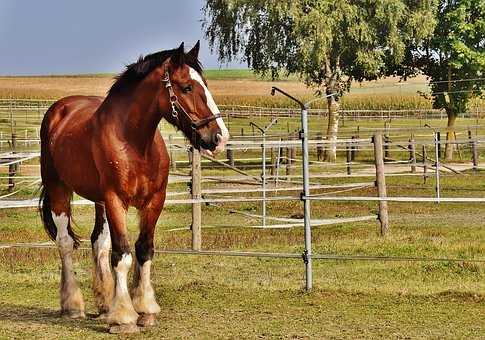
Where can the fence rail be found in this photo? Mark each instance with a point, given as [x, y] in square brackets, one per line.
[8, 105]
[381, 146]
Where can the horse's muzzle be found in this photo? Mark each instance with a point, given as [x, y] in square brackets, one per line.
[221, 141]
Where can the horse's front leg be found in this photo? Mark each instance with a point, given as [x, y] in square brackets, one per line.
[142, 293]
[121, 316]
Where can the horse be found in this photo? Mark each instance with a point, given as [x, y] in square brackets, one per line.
[110, 151]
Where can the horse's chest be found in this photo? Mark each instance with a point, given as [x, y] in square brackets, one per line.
[141, 182]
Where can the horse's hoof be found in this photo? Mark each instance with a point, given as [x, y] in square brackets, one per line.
[124, 329]
[73, 314]
[102, 316]
[146, 320]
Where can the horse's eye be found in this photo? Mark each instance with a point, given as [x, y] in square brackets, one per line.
[187, 89]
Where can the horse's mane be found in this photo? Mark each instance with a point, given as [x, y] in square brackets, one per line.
[138, 70]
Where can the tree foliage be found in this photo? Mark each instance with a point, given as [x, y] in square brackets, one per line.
[453, 58]
[328, 43]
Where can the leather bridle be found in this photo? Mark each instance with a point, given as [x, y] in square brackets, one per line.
[177, 107]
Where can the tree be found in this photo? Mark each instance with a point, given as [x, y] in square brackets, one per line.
[453, 58]
[328, 43]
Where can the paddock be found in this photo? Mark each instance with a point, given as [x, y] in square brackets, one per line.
[434, 234]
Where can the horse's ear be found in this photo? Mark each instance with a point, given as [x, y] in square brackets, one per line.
[194, 52]
[178, 57]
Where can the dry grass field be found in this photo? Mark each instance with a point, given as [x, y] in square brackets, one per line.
[241, 88]
[233, 298]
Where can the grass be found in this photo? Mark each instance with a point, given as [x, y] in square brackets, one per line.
[207, 297]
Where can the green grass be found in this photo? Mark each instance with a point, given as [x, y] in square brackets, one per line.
[210, 74]
[230, 74]
[220, 297]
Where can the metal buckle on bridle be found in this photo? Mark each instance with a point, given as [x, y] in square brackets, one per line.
[171, 93]
[174, 107]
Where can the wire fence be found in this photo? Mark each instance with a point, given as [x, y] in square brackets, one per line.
[285, 158]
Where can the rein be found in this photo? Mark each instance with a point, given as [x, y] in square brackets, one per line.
[177, 107]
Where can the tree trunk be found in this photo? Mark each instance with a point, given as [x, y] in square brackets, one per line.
[332, 129]
[450, 135]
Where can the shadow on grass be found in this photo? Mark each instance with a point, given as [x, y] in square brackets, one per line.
[39, 315]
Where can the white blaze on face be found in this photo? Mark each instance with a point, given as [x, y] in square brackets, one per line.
[224, 135]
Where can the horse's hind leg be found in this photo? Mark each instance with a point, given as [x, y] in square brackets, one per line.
[59, 196]
[103, 284]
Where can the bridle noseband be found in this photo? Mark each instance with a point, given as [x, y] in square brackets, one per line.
[177, 107]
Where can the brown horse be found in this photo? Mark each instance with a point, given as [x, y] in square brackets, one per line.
[110, 151]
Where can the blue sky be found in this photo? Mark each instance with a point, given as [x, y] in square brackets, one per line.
[88, 36]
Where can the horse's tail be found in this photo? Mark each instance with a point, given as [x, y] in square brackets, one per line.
[46, 214]
[49, 177]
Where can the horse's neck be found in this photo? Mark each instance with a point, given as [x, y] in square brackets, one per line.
[135, 113]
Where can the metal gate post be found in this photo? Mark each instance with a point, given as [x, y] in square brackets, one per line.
[307, 256]
[263, 179]
[437, 145]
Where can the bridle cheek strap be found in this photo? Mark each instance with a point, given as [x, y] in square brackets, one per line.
[177, 107]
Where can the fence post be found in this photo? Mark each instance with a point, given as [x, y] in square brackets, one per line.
[263, 180]
[353, 153]
[387, 140]
[307, 255]
[288, 160]
[12, 168]
[278, 162]
[381, 183]
[291, 153]
[437, 148]
[12, 122]
[11, 177]
[320, 148]
[196, 195]
[438, 142]
[230, 155]
[272, 157]
[348, 151]
[412, 154]
[425, 164]
[475, 155]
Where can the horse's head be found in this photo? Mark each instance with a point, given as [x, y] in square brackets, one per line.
[188, 103]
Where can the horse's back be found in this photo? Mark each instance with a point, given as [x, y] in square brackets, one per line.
[82, 107]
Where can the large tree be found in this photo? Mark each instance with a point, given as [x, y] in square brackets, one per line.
[453, 58]
[328, 43]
